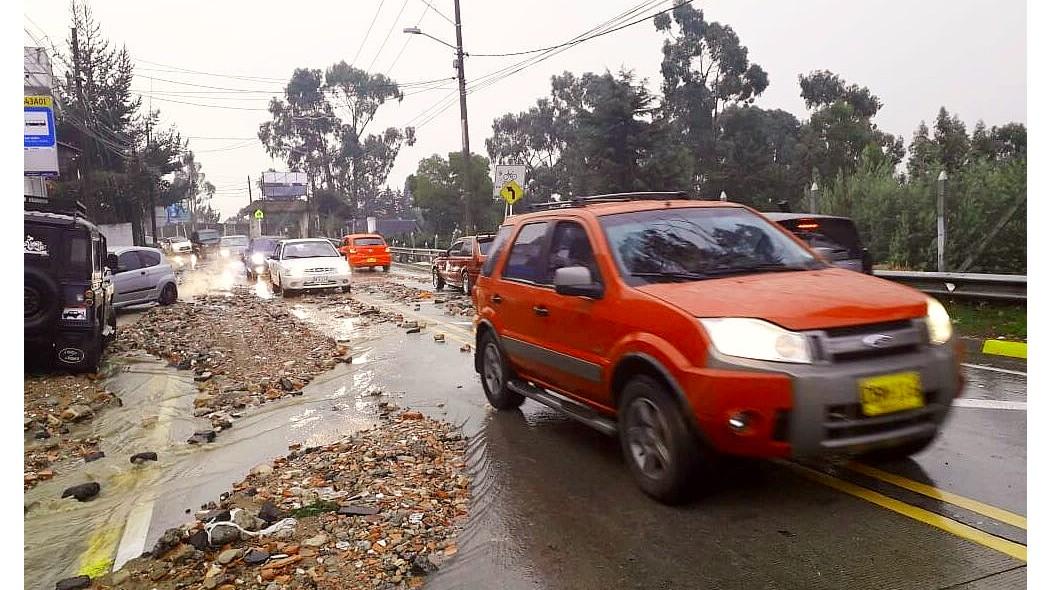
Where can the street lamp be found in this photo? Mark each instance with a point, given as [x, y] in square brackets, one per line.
[458, 47]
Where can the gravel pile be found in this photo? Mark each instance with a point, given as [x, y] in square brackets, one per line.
[243, 350]
[380, 509]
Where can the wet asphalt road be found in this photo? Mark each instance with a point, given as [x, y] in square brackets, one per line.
[554, 506]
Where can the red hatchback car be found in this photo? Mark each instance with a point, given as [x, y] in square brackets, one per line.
[366, 251]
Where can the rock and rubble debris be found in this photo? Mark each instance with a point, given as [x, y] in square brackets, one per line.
[379, 509]
[238, 347]
[56, 407]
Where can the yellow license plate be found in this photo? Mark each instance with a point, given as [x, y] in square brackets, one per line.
[890, 393]
[371, 259]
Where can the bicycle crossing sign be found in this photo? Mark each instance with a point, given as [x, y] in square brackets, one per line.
[506, 174]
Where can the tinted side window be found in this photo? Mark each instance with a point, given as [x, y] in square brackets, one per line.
[495, 250]
[467, 249]
[79, 254]
[455, 248]
[149, 258]
[570, 246]
[129, 261]
[525, 262]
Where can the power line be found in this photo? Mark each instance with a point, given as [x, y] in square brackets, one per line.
[486, 80]
[578, 40]
[211, 106]
[405, 44]
[367, 33]
[441, 14]
[202, 73]
[387, 38]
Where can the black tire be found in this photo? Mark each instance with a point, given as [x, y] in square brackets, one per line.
[465, 283]
[42, 303]
[274, 286]
[169, 294]
[286, 293]
[657, 445]
[495, 374]
[385, 268]
[439, 283]
[901, 452]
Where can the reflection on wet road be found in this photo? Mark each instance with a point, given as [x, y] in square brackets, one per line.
[553, 504]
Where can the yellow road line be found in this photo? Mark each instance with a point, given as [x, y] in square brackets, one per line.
[1015, 550]
[999, 514]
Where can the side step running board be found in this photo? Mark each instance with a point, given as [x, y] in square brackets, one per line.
[570, 407]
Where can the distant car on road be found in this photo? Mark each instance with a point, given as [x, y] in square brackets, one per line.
[258, 251]
[141, 275]
[177, 245]
[366, 251]
[835, 238]
[460, 264]
[232, 247]
[307, 263]
[205, 242]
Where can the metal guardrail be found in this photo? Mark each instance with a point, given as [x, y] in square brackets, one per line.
[967, 285]
[948, 284]
[407, 255]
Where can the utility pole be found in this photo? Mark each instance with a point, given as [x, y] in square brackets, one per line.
[942, 230]
[152, 186]
[76, 67]
[464, 186]
[249, 189]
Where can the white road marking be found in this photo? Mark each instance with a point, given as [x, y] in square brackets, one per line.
[995, 369]
[990, 404]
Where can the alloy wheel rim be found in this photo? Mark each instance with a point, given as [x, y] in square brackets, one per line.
[647, 438]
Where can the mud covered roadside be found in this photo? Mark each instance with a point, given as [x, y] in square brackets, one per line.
[57, 408]
[379, 509]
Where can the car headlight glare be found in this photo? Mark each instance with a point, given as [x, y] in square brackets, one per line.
[258, 258]
[938, 323]
[756, 339]
[224, 252]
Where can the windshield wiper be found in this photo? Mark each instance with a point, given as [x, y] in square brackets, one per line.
[671, 275]
[757, 268]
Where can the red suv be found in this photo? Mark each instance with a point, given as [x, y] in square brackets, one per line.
[689, 327]
[460, 264]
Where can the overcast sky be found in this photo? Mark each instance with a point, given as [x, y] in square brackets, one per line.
[968, 55]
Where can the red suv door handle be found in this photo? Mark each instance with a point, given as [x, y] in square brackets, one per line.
[540, 311]
[497, 299]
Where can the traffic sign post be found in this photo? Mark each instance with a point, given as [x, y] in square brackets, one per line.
[258, 214]
[511, 192]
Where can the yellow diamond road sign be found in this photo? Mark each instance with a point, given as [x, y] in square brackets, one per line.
[258, 214]
[511, 192]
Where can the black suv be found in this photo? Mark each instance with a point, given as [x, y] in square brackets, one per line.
[69, 314]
